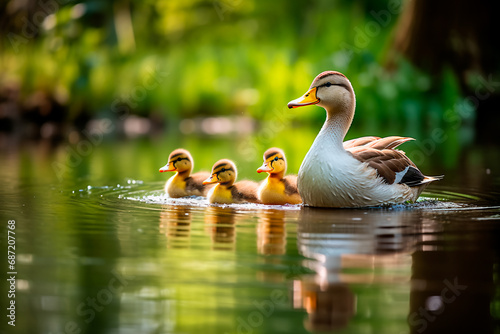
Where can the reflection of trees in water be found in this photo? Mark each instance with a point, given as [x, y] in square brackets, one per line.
[454, 275]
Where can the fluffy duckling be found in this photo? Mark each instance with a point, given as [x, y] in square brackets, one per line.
[367, 171]
[277, 189]
[226, 191]
[183, 183]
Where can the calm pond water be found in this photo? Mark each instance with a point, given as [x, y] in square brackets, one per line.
[101, 249]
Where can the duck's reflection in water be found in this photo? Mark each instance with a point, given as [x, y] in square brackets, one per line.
[271, 240]
[175, 223]
[352, 249]
[329, 308]
[220, 224]
[271, 233]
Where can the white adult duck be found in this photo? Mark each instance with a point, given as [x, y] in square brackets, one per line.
[362, 172]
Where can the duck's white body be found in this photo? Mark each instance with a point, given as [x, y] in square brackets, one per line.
[363, 172]
[340, 180]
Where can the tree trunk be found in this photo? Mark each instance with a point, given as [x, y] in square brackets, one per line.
[463, 36]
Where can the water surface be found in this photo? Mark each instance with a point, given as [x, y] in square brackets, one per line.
[104, 253]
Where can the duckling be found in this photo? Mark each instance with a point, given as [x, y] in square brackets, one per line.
[224, 173]
[367, 171]
[277, 189]
[183, 183]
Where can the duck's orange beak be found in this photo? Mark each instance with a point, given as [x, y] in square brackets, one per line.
[265, 168]
[168, 168]
[305, 100]
[211, 179]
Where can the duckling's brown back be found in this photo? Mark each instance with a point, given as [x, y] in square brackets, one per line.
[245, 191]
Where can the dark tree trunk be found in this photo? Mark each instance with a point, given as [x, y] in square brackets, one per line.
[462, 35]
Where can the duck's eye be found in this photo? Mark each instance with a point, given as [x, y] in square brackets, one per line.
[328, 84]
[223, 170]
[275, 158]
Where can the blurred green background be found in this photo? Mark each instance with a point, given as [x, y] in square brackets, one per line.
[94, 95]
[186, 70]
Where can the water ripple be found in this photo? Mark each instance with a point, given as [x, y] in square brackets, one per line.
[151, 196]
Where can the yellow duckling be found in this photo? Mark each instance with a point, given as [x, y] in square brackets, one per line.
[226, 191]
[183, 183]
[367, 171]
[277, 189]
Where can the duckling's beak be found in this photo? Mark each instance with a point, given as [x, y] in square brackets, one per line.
[264, 168]
[168, 168]
[211, 179]
[305, 100]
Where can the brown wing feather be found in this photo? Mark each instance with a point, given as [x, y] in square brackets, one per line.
[390, 164]
[386, 162]
[388, 142]
[194, 183]
[290, 185]
[359, 141]
[245, 191]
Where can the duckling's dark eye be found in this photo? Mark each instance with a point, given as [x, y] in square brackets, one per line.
[276, 158]
[328, 84]
[223, 170]
[179, 159]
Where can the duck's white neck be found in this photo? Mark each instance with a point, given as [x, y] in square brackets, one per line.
[336, 126]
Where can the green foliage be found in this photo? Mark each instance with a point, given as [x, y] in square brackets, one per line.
[232, 57]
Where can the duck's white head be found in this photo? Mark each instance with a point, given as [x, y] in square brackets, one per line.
[330, 90]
